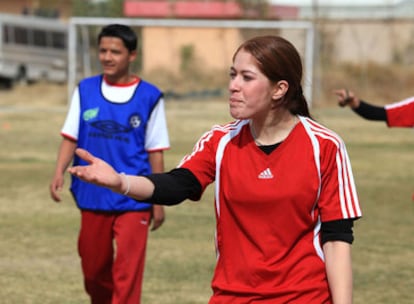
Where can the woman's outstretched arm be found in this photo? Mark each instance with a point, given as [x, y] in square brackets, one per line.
[100, 173]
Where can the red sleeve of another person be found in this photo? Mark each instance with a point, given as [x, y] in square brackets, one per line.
[401, 114]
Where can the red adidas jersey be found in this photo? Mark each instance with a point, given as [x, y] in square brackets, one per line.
[401, 114]
[269, 210]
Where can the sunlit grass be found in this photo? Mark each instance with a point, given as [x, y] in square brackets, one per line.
[38, 259]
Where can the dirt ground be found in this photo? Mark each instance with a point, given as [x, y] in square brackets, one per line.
[41, 94]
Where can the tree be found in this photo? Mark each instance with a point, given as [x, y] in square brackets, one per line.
[255, 8]
[103, 8]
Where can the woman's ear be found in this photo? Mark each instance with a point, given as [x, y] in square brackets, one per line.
[280, 89]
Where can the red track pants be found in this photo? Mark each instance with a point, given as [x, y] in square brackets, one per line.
[113, 271]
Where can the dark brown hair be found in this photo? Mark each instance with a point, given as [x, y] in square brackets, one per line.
[279, 60]
[121, 31]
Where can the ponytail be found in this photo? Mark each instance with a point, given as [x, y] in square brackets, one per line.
[298, 104]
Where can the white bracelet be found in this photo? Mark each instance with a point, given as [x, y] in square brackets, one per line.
[127, 182]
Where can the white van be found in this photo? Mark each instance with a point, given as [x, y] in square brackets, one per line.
[31, 49]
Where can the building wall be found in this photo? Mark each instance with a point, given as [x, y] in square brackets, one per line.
[214, 9]
[361, 41]
[213, 47]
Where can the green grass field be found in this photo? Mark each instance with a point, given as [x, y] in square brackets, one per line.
[38, 258]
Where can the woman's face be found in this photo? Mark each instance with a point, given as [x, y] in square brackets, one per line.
[250, 90]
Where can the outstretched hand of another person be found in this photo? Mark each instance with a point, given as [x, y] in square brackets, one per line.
[97, 172]
[347, 98]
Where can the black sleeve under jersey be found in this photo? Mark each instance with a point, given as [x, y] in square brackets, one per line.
[340, 230]
[371, 112]
[175, 186]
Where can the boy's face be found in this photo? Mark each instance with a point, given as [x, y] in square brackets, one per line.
[115, 59]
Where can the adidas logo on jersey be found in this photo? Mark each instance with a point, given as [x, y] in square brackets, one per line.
[266, 174]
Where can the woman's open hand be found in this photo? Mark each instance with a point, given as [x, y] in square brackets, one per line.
[97, 171]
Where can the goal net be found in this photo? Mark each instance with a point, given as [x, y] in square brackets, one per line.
[184, 57]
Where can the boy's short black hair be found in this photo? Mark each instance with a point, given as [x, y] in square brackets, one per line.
[123, 32]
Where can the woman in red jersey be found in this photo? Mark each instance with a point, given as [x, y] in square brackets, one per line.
[285, 197]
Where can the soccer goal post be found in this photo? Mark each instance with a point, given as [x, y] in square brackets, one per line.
[79, 44]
